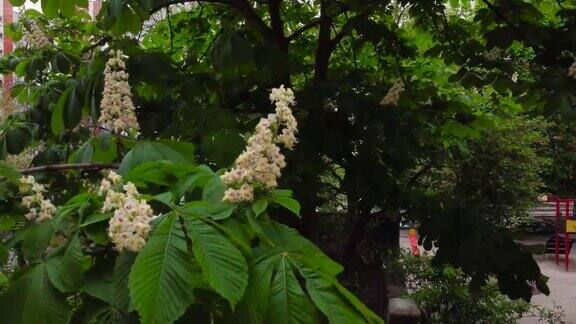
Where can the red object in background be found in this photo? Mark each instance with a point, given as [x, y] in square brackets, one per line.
[413, 236]
[8, 17]
[567, 203]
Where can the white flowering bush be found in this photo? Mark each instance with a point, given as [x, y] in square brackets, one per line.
[164, 236]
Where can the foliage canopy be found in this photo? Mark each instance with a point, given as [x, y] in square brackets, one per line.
[201, 76]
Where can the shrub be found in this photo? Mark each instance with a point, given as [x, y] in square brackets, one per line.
[444, 295]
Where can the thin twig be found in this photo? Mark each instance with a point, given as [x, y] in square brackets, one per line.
[71, 166]
[170, 29]
[313, 23]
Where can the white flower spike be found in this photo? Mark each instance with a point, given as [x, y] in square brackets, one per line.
[262, 161]
[117, 111]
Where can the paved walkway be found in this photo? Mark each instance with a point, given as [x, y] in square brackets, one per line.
[562, 288]
[562, 284]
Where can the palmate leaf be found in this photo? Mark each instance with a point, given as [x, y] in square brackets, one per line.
[33, 299]
[222, 264]
[287, 301]
[71, 270]
[253, 306]
[161, 281]
[122, 267]
[335, 302]
[280, 295]
[291, 241]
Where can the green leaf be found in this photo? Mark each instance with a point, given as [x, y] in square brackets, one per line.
[161, 279]
[31, 298]
[50, 8]
[326, 296]
[105, 148]
[288, 303]
[166, 198]
[122, 267]
[36, 239]
[67, 8]
[99, 287]
[73, 107]
[290, 240]
[222, 264]
[98, 232]
[214, 190]
[76, 203]
[259, 206]
[57, 121]
[18, 3]
[96, 218]
[83, 154]
[222, 210]
[360, 307]
[151, 151]
[18, 137]
[255, 303]
[20, 69]
[281, 193]
[3, 254]
[9, 172]
[193, 181]
[288, 203]
[71, 271]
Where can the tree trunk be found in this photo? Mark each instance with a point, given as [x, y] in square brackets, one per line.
[323, 49]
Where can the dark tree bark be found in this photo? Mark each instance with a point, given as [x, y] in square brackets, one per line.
[324, 47]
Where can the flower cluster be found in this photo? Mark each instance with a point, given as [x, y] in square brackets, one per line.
[393, 94]
[40, 207]
[572, 70]
[493, 55]
[262, 161]
[514, 77]
[35, 37]
[129, 227]
[117, 111]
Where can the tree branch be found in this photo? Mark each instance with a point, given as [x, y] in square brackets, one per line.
[100, 42]
[323, 49]
[313, 23]
[252, 18]
[275, 19]
[421, 172]
[347, 29]
[496, 11]
[173, 2]
[170, 29]
[247, 11]
[72, 166]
